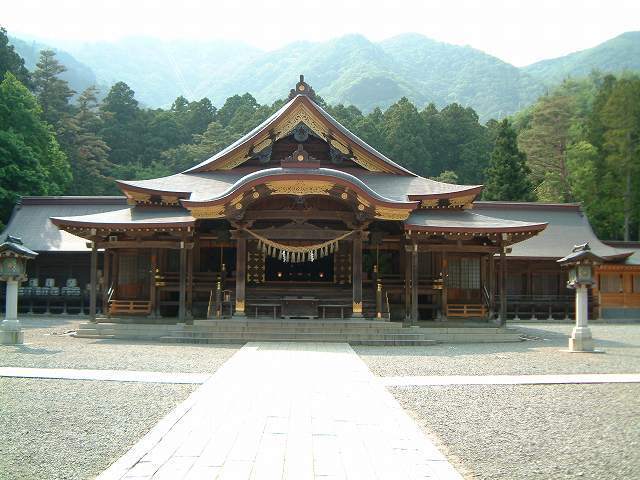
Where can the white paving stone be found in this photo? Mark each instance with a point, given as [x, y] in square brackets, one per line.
[287, 411]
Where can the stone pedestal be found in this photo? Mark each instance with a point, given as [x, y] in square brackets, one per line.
[10, 331]
[581, 339]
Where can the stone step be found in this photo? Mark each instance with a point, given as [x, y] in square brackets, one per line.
[294, 334]
[235, 340]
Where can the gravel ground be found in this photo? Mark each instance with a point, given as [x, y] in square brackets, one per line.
[47, 346]
[67, 429]
[532, 431]
[539, 355]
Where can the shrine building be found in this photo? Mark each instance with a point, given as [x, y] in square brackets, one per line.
[302, 219]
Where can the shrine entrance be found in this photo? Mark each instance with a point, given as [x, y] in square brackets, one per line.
[317, 271]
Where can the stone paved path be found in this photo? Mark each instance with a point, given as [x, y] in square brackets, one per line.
[438, 380]
[287, 411]
[108, 375]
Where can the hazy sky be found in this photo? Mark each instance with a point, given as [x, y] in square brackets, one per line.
[518, 31]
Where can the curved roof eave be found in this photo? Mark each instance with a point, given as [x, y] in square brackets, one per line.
[279, 173]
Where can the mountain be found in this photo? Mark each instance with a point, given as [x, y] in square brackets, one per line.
[79, 75]
[350, 69]
[615, 55]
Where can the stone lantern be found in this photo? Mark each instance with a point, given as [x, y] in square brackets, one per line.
[13, 270]
[580, 264]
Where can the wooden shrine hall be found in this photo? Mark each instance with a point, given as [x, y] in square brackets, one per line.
[298, 219]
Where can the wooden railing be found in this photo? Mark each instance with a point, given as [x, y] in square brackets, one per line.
[129, 307]
[466, 310]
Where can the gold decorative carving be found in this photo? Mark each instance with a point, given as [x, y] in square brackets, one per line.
[429, 203]
[344, 195]
[386, 213]
[234, 160]
[255, 194]
[216, 211]
[368, 163]
[299, 187]
[461, 201]
[300, 114]
[363, 201]
[357, 307]
[239, 305]
[238, 206]
[340, 147]
[361, 207]
[137, 197]
[169, 200]
[261, 145]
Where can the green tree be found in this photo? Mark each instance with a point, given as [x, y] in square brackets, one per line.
[545, 143]
[31, 162]
[88, 152]
[53, 93]
[406, 138]
[507, 175]
[621, 119]
[10, 61]
[122, 126]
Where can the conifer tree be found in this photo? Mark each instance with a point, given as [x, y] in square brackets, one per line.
[53, 92]
[507, 175]
[10, 61]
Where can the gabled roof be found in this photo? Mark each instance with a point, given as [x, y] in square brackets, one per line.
[300, 109]
[467, 221]
[31, 222]
[567, 226]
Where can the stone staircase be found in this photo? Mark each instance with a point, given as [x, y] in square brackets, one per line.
[355, 332]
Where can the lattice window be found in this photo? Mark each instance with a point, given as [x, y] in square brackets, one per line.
[464, 272]
[610, 283]
[636, 283]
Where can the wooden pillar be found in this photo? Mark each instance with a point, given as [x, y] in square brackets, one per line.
[492, 283]
[407, 284]
[445, 281]
[356, 273]
[106, 258]
[241, 275]
[501, 285]
[415, 313]
[94, 281]
[182, 300]
[152, 282]
[190, 283]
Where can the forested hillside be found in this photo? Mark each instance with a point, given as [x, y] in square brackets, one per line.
[616, 55]
[351, 70]
[580, 142]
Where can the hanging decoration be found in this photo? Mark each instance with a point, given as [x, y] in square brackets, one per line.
[297, 253]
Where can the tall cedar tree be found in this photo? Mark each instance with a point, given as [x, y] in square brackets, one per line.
[621, 119]
[507, 175]
[545, 143]
[53, 93]
[10, 61]
[88, 153]
[31, 162]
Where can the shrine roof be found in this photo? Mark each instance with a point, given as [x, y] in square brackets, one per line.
[209, 185]
[130, 217]
[31, 222]
[567, 226]
[331, 126]
[466, 221]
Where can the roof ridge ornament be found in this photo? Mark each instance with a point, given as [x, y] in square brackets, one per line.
[303, 88]
[300, 158]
